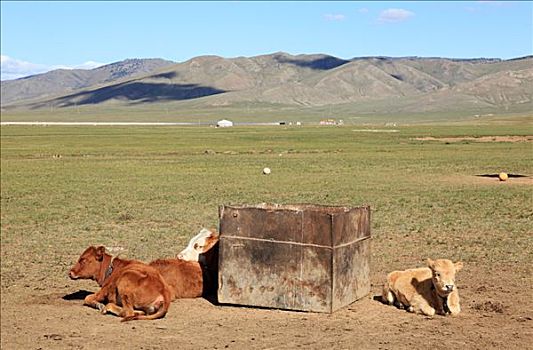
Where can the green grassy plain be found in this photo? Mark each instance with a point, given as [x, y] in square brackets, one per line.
[149, 189]
[196, 111]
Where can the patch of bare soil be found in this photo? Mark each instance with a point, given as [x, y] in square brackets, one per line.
[496, 313]
[528, 138]
[490, 306]
[486, 180]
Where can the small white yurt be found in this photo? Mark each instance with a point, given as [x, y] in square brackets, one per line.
[224, 123]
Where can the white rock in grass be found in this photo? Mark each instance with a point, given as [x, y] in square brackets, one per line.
[266, 171]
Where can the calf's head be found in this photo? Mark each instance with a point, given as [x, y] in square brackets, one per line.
[199, 244]
[89, 263]
[443, 275]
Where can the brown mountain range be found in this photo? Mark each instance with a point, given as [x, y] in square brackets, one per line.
[367, 84]
[64, 81]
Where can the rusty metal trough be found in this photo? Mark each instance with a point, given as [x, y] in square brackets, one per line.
[295, 257]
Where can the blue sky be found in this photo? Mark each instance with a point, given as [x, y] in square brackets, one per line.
[39, 36]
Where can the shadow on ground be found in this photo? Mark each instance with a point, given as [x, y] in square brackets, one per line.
[79, 295]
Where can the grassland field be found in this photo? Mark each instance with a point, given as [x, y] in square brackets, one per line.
[149, 189]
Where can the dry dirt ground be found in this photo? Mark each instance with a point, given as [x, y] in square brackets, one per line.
[478, 139]
[47, 313]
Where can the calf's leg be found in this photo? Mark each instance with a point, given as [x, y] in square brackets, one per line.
[420, 305]
[116, 310]
[94, 301]
[453, 303]
[112, 308]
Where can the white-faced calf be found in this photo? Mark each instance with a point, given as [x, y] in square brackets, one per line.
[203, 249]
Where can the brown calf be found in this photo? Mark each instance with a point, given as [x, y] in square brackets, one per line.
[130, 283]
[194, 273]
[184, 278]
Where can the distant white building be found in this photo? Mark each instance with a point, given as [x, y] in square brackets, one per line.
[224, 123]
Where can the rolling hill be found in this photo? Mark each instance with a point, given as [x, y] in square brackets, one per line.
[64, 81]
[281, 82]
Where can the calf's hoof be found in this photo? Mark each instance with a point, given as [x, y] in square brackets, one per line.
[101, 307]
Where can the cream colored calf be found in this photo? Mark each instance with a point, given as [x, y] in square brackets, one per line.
[428, 290]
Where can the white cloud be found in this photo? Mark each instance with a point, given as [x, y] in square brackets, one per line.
[394, 15]
[89, 65]
[12, 68]
[363, 10]
[334, 17]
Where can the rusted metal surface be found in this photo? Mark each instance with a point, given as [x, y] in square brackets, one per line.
[296, 257]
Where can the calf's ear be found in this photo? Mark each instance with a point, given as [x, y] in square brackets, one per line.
[214, 232]
[431, 264]
[100, 251]
[210, 243]
[458, 265]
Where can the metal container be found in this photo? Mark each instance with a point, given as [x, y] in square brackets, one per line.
[295, 257]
